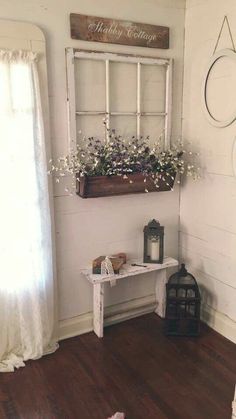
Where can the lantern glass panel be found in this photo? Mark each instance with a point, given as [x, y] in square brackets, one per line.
[154, 248]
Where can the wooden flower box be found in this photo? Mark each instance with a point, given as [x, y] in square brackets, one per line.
[98, 186]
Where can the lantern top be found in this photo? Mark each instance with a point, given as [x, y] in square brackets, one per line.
[153, 225]
[182, 277]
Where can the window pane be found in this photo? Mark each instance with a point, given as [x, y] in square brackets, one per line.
[153, 88]
[152, 126]
[124, 125]
[123, 87]
[90, 125]
[90, 85]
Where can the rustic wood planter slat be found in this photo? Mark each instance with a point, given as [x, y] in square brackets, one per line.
[98, 186]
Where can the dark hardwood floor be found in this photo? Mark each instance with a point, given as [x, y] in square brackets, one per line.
[134, 369]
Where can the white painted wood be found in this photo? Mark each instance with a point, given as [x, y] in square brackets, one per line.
[138, 97]
[211, 288]
[111, 57]
[123, 113]
[113, 314]
[91, 55]
[71, 105]
[233, 157]
[90, 112]
[138, 114]
[98, 309]
[168, 105]
[161, 293]
[153, 114]
[218, 321]
[217, 264]
[74, 218]
[209, 222]
[127, 271]
[83, 323]
[107, 97]
[88, 228]
[11, 31]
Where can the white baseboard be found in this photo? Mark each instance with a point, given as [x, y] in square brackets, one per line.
[113, 314]
[219, 322]
[137, 307]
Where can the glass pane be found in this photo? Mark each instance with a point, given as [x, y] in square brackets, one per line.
[152, 126]
[153, 79]
[90, 125]
[123, 87]
[90, 85]
[124, 125]
[153, 248]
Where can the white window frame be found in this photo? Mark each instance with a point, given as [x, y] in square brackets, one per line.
[72, 54]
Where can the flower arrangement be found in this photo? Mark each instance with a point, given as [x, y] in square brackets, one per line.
[116, 155]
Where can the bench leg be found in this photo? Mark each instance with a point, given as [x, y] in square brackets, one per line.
[98, 309]
[161, 292]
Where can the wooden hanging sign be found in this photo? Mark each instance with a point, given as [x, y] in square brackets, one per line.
[99, 29]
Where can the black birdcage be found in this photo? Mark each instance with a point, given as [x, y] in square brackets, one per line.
[182, 304]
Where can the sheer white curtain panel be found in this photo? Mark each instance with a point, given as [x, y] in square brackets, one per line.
[27, 288]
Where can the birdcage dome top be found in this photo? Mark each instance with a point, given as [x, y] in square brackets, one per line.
[182, 277]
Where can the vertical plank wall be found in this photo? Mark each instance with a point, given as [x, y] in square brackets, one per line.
[208, 208]
[88, 228]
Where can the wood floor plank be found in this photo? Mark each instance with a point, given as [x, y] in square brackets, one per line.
[134, 369]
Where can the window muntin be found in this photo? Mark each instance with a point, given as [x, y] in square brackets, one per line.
[133, 93]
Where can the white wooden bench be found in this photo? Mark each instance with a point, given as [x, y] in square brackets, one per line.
[127, 271]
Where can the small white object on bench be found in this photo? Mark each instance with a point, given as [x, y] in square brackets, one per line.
[127, 270]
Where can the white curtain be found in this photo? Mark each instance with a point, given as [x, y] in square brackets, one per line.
[27, 297]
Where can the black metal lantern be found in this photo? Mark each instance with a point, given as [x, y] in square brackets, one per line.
[182, 304]
[153, 242]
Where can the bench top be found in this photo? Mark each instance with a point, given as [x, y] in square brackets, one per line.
[129, 270]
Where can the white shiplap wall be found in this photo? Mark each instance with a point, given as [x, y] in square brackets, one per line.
[88, 228]
[208, 208]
